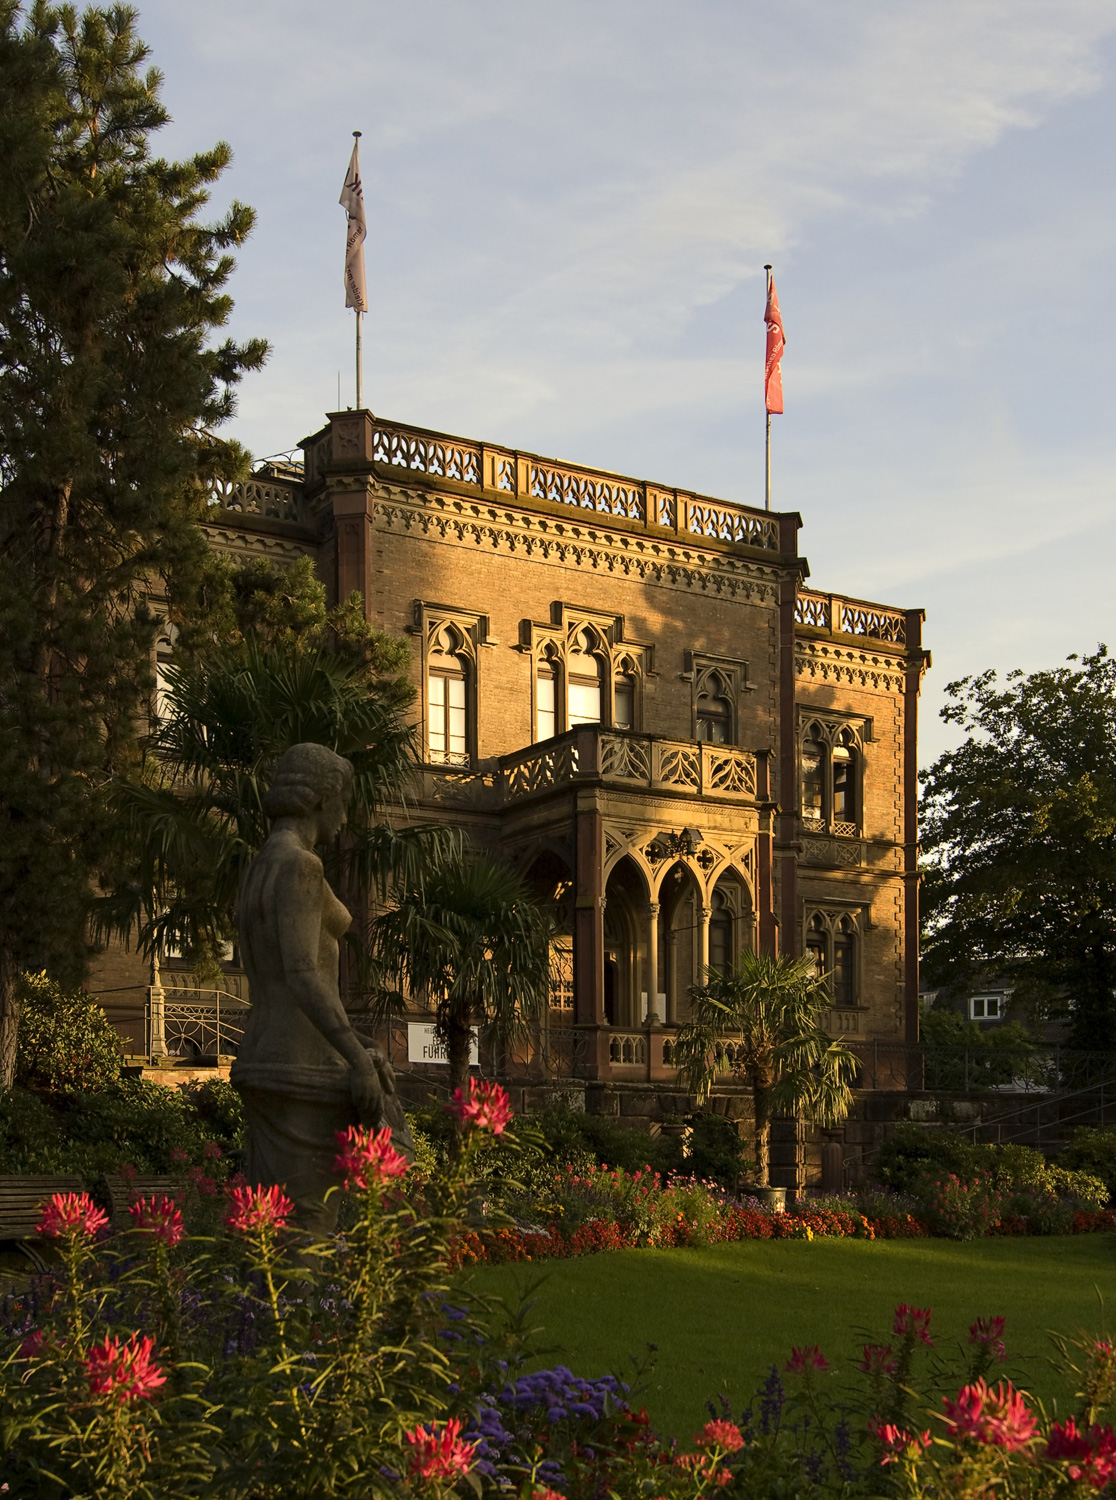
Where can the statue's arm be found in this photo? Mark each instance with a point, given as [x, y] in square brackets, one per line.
[300, 931]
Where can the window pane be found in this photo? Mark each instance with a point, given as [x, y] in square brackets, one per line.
[720, 942]
[546, 712]
[585, 701]
[813, 794]
[623, 698]
[843, 971]
[844, 788]
[436, 715]
[455, 717]
[714, 717]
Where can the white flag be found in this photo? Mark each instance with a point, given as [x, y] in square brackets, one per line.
[352, 201]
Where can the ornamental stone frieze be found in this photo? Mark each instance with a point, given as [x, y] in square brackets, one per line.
[825, 662]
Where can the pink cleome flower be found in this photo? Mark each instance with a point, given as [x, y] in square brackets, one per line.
[211, 1151]
[989, 1332]
[1000, 1418]
[724, 1435]
[71, 1213]
[878, 1360]
[913, 1321]
[486, 1106]
[178, 1156]
[440, 1455]
[258, 1208]
[802, 1360]
[368, 1157]
[125, 1372]
[33, 1344]
[1088, 1455]
[547, 1495]
[160, 1217]
[897, 1441]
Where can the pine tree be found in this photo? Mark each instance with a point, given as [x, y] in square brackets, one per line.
[110, 393]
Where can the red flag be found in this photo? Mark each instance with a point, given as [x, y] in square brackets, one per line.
[776, 343]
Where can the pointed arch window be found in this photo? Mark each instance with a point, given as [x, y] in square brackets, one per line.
[721, 953]
[714, 712]
[624, 696]
[830, 775]
[831, 941]
[447, 726]
[583, 682]
[546, 697]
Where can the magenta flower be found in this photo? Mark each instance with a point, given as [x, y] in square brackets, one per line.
[367, 1157]
[259, 1208]
[724, 1435]
[33, 1344]
[878, 1360]
[160, 1217]
[1088, 1456]
[485, 1107]
[999, 1418]
[71, 1213]
[913, 1321]
[802, 1360]
[440, 1455]
[989, 1334]
[125, 1372]
[211, 1151]
[897, 1442]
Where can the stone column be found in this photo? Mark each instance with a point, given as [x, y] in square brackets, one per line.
[671, 956]
[706, 913]
[589, 933]
[652, 976]
[156, 1004]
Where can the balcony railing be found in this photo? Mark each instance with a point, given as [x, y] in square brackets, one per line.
[633, 760]
[271, 496]
[850, 617]
[416, 452]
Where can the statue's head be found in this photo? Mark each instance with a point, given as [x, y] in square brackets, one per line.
[311, 779]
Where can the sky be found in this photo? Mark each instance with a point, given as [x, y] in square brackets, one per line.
[570, 206]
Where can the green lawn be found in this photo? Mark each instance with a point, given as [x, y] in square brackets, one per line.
[722, 1316]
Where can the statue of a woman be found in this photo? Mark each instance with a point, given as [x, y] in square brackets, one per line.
[302, 1071]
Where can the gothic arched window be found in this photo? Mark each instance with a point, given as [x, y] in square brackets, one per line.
[546, 697]
[714, 713]
[624, 697]
[447, 737]
[583, 682]
[720, 934]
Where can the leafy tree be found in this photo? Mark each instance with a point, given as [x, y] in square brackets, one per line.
[110, 394]
[1019, 832]
[771, 1010]
[66, 1042]
[473, 941]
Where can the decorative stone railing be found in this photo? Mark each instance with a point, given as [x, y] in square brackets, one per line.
[627, 1049]
[837, 826]
[273, 498]
[634, 760]
[850, 617]
[414, 451]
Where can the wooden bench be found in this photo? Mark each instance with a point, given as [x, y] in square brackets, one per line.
[21, 1205]
[123, 1191]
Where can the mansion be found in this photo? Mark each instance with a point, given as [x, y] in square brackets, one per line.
[628, 691]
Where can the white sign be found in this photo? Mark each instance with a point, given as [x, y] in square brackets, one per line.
[424, 1047]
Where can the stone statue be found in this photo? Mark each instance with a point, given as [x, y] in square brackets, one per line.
[302, 1071]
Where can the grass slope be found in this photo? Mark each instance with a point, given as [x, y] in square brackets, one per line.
[722, 1316]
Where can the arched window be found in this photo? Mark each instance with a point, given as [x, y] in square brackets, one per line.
[546, 697]
[844, 779]
[813, 780]
[844, 966]
[446, 713]
[720, 934]
[817, 944]
[714, 713]
[623, 697]
[583, 683]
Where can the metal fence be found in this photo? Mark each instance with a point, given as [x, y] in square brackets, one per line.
[1016, 1068]
[195, 1023]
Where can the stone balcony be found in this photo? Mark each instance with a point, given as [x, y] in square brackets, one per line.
[609, 757]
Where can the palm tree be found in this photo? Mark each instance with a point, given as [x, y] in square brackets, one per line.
[192, 818]
[769, 1012]
[472, 940]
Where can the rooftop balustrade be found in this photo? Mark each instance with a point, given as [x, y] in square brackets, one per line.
[418, 453]
[851, 617]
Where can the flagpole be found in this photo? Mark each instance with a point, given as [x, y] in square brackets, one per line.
[359, 370]
[767, 443]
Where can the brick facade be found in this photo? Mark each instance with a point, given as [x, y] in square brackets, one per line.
[674, 830]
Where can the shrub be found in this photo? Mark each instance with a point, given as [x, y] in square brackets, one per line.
[715, 1150]
[65, 1043]
[1093, 1151]
[906, 1157]
[959, 1209]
